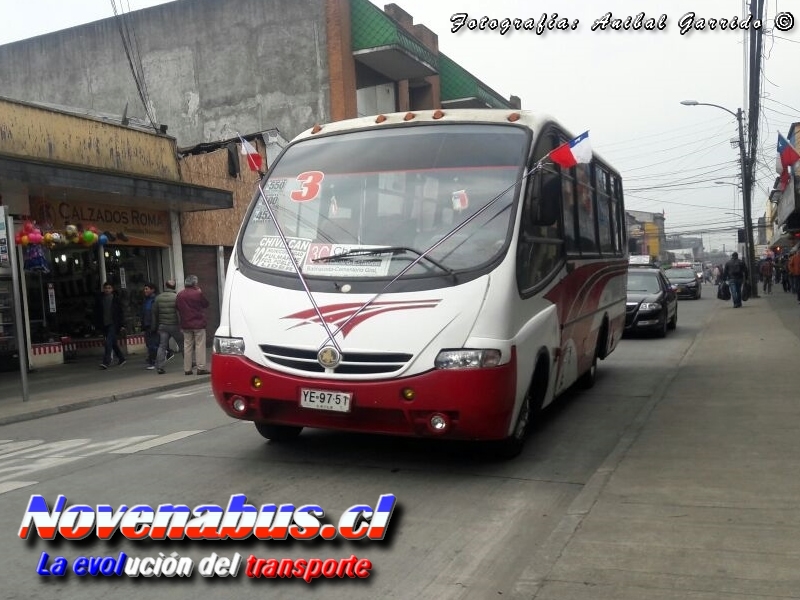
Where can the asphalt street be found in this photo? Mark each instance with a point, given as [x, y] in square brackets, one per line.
[465, 526]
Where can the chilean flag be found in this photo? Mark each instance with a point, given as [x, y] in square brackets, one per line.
[788, 156]
[253, 157]
[786, 151]
[573, 152]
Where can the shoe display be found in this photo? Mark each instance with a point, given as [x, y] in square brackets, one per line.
[203, 372]
[161, 371]
[122, 362]
[150, 367]
[103, 366]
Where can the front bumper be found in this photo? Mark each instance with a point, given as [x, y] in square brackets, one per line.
[642, 321]
[477, 402]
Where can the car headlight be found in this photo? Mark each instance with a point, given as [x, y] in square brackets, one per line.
[467, 359]
[650, 306]
[228, 345]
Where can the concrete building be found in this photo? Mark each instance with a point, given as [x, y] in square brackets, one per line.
[207, 69]
[646, 234]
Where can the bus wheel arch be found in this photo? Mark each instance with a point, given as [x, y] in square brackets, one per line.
[587, 380]
[602, 339]
[530, 408]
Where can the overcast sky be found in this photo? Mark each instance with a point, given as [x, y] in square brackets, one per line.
[625, 87]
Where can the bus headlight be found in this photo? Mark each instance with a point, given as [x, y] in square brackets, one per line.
[227, 345]
[467, 359]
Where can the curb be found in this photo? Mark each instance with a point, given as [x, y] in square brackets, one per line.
[89, 403]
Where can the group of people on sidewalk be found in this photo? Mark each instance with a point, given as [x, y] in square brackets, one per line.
[735, 276]
[180, 316]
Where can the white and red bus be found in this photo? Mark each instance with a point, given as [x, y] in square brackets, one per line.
[421, 274]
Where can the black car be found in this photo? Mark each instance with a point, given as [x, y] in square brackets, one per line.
[688, 284]
[652, 303]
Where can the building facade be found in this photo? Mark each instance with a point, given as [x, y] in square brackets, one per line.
[91, 201]
[646, 234]
[785, 202]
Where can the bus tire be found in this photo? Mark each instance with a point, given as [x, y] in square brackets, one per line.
[587, 380]
[278, 433]
[512, 446]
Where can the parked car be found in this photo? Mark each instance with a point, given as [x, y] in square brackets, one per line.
[652, 303]
[688, 283]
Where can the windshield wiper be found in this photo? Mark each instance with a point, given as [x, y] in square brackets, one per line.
[387, 250]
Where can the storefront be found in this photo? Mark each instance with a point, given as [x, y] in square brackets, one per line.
[128, 250]
[91, 201]
[78, 246]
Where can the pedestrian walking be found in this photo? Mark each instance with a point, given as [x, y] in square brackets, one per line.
[109, 319]
[767, 273]
[151, 338]
[192, 305]
[165, 322]
[794, 273]
[735, 273]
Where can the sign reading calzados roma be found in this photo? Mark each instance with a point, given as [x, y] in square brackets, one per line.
[139, 226]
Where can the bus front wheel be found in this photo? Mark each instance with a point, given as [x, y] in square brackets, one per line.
[529, 411]
[278, 433]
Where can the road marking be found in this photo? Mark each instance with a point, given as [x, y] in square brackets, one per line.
[159, 441]
[10, 486]
[175, 395]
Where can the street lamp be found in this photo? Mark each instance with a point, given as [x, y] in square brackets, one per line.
[746, 188]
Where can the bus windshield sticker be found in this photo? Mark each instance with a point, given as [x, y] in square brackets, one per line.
[310, 185]
[271, 254]
[353, 266]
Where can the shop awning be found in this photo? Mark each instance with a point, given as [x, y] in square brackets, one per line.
[54, 179]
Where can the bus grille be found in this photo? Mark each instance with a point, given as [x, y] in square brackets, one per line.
[353, 363]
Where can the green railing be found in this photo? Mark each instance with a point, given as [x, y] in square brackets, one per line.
[457, 83]
[372, 28]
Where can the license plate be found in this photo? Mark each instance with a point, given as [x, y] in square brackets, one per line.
[680, 289]
[325, 400]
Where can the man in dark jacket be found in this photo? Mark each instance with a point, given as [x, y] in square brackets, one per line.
[192, 305]
[165, 322]
[109, 320]
[150, 334]
[735, 273]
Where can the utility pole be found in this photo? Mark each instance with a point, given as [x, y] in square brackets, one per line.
[747, 207]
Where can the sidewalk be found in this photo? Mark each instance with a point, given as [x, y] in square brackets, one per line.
[81, 383]
[700, 499]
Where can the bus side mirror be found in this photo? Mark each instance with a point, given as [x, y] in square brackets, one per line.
[548, 199]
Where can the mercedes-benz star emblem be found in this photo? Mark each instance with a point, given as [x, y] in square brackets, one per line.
[329, 357]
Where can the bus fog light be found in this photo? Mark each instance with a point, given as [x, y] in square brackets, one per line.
[239, 404]
[408, 394]
[256, 383]
[439, 423]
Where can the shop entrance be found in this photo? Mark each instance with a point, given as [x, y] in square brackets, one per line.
[61, 302]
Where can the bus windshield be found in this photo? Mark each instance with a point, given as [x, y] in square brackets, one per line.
[403, 189]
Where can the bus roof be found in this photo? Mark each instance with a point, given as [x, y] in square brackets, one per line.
[532, 120]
